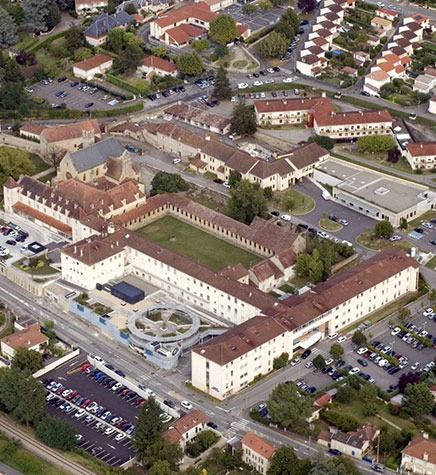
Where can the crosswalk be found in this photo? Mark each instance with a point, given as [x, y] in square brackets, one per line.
[238, 426]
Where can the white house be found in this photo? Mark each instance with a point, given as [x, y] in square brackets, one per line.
[155, 65]
[88, 68]
[30, 338]
[257, 452]
[186, 428]
[432, 105]
[421, 155]
[419, 456]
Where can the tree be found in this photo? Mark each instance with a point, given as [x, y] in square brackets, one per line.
[82, 53]
[160, 467]
[13, 162]
[354, 381]
[403, 313]
[221, 51]
[288, 407]
[307, 5]
[159, 51]
[223, 29]
[273, 46]
[386, 442]
[383, 229]
[190, 64]
[234, 178]
[204, 440]
[310, 265]
[222, 89]
[54, 16]
[358, 338]
[394, 155]
[243, 120]
[285, 462]
[418, 399]
[432, 295]
[323, 140]
[57, 433]
[281, 361]
[29, 360]
[403, 224]
[74, 38]
[321, 465]
[345, 394]
[375, 143]
[319, 362]
[54, 157]
[129, 60]
[249, 8]
[8, 29]
[164, 182]
[368, 392]
[265, 5]
[36, 13]
[288, 24]
[115, 40]
[130, 9]
[405, 379]
[246, 201]
[336, 350]
[200, 45]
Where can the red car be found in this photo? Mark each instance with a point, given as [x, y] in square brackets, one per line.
[86, 366]
[86, 403]
[61, 390]
[141, 403]
[120, 424]
[125, 391]
[73, 394]
[3, 229]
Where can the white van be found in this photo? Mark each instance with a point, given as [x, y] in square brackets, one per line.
[326, 195]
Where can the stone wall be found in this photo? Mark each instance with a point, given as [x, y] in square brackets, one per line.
[21, 143]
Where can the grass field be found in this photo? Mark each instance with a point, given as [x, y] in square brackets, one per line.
[371, 241]
[329, 225]
[294, 202]
[197, 244]
[47, 177]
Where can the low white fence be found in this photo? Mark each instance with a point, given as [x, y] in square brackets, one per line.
[57, 363]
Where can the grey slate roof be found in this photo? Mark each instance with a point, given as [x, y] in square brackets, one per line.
[102, 23]
[96, 154]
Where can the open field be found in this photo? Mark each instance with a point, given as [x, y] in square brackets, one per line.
[197, 244]
[293, 202]
[371, 241]
[329, 225]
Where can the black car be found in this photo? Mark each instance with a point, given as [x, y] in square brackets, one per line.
[169, 403]
[109, 366]
[302, 226]
[306, 354]
[275, 213]
[364, 93]
[304, 22]
[334, 452]
[433, 242]
[339, 363]
[152, 97]
[419, 230]
[212, 424]
[11, 242]
[256, 75]
[264, 73]
[333, 217]
[62, 79]
[90, 104]
[120, 373]
[219, 181]
[285, 93]
[182, 89]
[276, 69]
[326, 369]
[165, 94]
[274, 94]
[363, 362]
[310, 389]
[312, 230]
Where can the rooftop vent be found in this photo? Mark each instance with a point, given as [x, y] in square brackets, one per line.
[381, 191]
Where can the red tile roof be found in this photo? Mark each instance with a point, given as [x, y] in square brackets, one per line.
[284, 105]
[44, 218]
[353, 118]
[420, 149]
[258, 445]
[420, 447]
[59, 133]
[26, 338]
[159, 63]
[92, 62]
[178, 429]
[32, 128]
[387, 11]
[200, 11]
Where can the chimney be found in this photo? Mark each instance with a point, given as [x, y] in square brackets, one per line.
[81, 251]
[28, 342]
[75, 249]
[425, 456]
[110, 228]
[323, 94]
[425, 435]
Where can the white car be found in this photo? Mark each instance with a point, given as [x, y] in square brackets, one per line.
[226, 184]
[270, 70]
[383, 362]
[329, 361]
[362, 350]
[67, 392]
[99, 359]
[269, 81]
[186, 404]
[332, 336]
[80, 413]
[257, 83]
[149, 392]
[295, 361]
[176, 161]
[414, 367]
[285, 217]
[341, 339]
[355, 370]
[380, 4]
[427, 225]
[120, 437]
[109, 430]
[423, 333]
[322, 234]
[233, 99]
[344, 222]
[242, 85]
[395, 237]
[348, 243]
[287, 80]
[116, 386]
[427, 312]
[395, 331]
[309, 364]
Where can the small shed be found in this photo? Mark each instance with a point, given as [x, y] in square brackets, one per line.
[127, 292]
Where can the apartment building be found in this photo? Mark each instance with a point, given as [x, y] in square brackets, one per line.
[216, 5]
[87, 7]
[419, 456]
[227, 363]
[421, 155]
[257, 452]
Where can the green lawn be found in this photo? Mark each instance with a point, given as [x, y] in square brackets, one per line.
[197, 244]
[293, 202]
[43, 268]
[431, 264]
[38, 163]
[329, 225]
[47, 177]
[371, 241]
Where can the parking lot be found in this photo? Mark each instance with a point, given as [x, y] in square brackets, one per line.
[114, 448]
[75, 98]
[257, 20]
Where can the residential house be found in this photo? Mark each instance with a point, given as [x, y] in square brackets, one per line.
[387, 13]
[421, 155]
[422, 20]
[217, 5]
[432, 105]
[257, 452]
[30, 337]
[375, 80]
[381, 23]
[310, 64]
[97, 32]
[419, 456]
[355, 443]
[186, 428]
[32, 131]
[88, 7]
[424, 83]
[353, 72]
[90, 67]
[361, 56]
[321, 400]
[151, 65]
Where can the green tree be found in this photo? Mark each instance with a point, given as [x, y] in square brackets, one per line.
[383, 229]
[57, 433]
[285, 462]
[345, 394]
[190, 64]
[243, 120]
[432, 295]
[159, 51]
[221, 51]
[131, 10]
[115, 40]
[358, 338]
[402, 313]
[29, 360]
[273, 46]
[249, 8]
[287, 406]
[354, 381]
[336, 350]
[281, 361]
[200, 45]
[234, 178]
[265, 5]
[223, 29]
[160, 467]
[36, 13]
[368, 392]
[129, 60]
[13, 162]
[375, 143]
[82, 53]
[323, 140]
[319, 362]
[54, 15]
[222, 89]
[321, 465]
[74, 38]
[246, 202]
[204, 440]
[387, 442]
[8, 29]
[418, 399]
[288, 24]
[403, 224]
[369, 409]
[164, 182]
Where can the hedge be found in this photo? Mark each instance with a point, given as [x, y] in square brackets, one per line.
[426, 341]
[254, 414]
[125, 97]
[123, 84]
[47, 41]
[29, 43]
[391, 359]
[138, 106]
